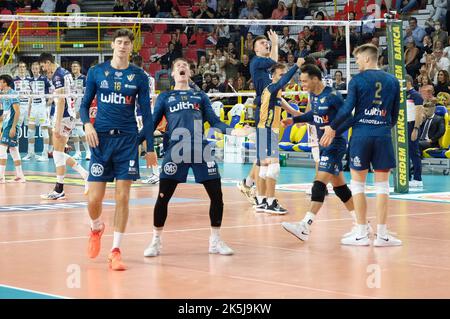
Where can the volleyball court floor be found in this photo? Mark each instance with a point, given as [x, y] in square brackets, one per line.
[43, 245]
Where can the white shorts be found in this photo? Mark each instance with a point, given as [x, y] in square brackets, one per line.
[38, 115]
[23, 117]
[67, 125]
[77, 131]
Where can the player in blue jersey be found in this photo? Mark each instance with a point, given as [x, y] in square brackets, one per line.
[266, 55]
[40, 85]
[8, 136]
[414, 114]
[64, 122]
[114, 138]
[268, 128]
[22, 86]
[79, 85]
[186, 111]
[375, 97]
[325, 103]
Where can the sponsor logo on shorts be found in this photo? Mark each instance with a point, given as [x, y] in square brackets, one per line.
[170, 168]
[132, 169]
[356, 161]
[104, 85]
[212, 169]
[97, 170]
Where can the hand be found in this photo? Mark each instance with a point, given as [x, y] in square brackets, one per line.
[328, 136]
[12, 132]
[300, 62]
[151, 159]
[287, 122]
[414, 135]
[273, 37]
[91, 135]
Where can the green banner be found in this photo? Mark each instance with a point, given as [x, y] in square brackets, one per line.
[400, 131]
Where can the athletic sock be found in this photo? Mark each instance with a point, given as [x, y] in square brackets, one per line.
[309, 218]
[116, 240]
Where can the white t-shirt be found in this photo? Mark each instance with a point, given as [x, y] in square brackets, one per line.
[411, 110]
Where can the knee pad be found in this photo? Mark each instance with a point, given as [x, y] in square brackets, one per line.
[263, 171]
[357, 187]
[318, 192]
[3, 152]
[382, 187]
[343, 192]
[14, 151]
[59, 158]
[273, 171]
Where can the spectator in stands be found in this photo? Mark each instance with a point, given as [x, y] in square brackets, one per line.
[196, 76]
[280, 11]
[204, 11]
[338, 83]
[241, 84]
[427, 46]
[303, 48]
[217, 86]
[244, 67]
[440, 10]
[61, 6]
[427, 90]
[297, 9]
[432, 128]
[232, 64]
[442, 63]
[119, 7]
[221, 61]
[368, 27]
[13, 5]
[166, 61]
[48, 6]
[248, 45]
[251, 12]
[412, 58]
[431, 66]
[212, 4]
[135, 5]
[422, 74]
[414, 31]
[388, 4]
[404, 6]
[222, 34]
[199, 39]
[164, 8]
[149, 9]
[35, 4]
[175, 39]
[439, 34]
[207, 82]
[443, 82]
[282, 41]
[202, 65]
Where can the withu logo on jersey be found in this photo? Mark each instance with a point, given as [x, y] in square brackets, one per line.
[375, 111]
[321, 119]
[114, 98]
[184, 106]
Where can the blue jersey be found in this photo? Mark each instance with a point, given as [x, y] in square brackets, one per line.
[40, 85]
[116, 92]
[324, 108]
[375, 96]
[414, 96]
[260, 73]
[8, 110]
[186, 109]
[62, 79]
[22, 86]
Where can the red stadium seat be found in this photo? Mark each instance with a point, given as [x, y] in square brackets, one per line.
[153, 67]
[145, 54]
[160, 28]
[161, 51]
[183, 10]
[164, 40]
[28, 31]
[191, 55]
[149, 40]
[183, 40]
[6, 11]
[42, 32]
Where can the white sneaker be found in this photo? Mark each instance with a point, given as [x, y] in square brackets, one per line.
[28, 157]
[354, 229]
[18, 179]
[415, 184]
[246, 190]
[218, 246]
[2, 180]
[88, 156]
[54, 195]
[356, 240]
[77, 156]
[154, 249]
[389, 240]
[42, 158]
[152, 179]
[299, 230]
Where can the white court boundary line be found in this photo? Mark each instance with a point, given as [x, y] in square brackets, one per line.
[208, 228]
[34, 292]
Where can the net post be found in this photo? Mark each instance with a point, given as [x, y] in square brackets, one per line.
[400, 131]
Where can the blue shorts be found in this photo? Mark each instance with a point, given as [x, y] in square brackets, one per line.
[266, 144]
[116, 157]
[375, 150]
[331, 157]
[178, 170]
[9, 141]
